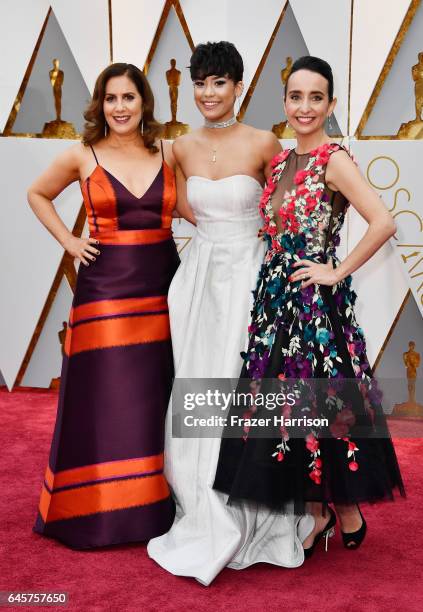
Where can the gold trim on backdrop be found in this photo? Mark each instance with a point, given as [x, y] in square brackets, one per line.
[412, 9]
[178, 10]
[251, 89]
[187, 241]
[66, 268]
[247, 98]
[110, 30]
[349, 66]
[17, 103]
[162, 22]
[392, 329]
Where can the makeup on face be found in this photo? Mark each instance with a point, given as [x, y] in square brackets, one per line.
[307, 103]
[215, 97]
[122, 105]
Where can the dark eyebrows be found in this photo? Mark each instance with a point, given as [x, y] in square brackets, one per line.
[297, 91]
[126, 93]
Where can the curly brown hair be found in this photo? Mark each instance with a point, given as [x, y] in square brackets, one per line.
[95, 126]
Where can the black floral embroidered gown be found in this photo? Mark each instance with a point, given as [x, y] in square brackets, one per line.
[306, 334]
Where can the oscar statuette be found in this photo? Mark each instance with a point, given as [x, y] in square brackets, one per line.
[414, 129]
[410, 408]
[283, 129]
[174, 128]
[58, 128]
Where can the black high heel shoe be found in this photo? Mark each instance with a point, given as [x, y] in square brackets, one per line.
[326, 533]
[353, 540]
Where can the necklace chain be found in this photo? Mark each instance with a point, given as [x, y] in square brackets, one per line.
[218, 125]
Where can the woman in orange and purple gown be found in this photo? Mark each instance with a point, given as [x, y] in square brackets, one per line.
[104, 483]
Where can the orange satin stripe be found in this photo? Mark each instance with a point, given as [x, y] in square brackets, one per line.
[115, 307]
[117, 332]
[111, 469]
[129, 237]
[99, 195]
[103, 497]
[44, 504]
[87, 205]
[169, 195]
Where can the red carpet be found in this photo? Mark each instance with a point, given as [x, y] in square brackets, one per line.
[385, 574]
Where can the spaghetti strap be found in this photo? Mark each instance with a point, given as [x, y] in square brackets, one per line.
[95, 156]
[161, 147]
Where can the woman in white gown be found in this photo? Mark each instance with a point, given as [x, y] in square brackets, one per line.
[222, 167]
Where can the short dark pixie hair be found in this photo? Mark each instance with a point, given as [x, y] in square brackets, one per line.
[314, 64]
[216, 58]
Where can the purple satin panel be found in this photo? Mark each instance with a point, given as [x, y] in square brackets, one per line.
[135, 213]
[109, 381]
[127, 271]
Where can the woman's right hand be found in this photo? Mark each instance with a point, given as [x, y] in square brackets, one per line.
[84, 249]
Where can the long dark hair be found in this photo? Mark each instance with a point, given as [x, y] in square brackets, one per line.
[314, 64]
[95, 126]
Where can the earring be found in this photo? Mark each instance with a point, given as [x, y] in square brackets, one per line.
[105, 129]
[330, 126]
[142, 126]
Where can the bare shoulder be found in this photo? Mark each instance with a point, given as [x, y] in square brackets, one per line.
[73, 156]
[264, 140]
[182, 144]
[340, 161]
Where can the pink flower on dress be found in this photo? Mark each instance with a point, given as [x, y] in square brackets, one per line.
[322, 158]
[300, 176]
[302, 190]
[312, 443]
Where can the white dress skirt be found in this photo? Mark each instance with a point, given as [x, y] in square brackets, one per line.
[210, 299]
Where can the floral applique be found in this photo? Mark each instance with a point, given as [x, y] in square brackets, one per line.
[305, 215]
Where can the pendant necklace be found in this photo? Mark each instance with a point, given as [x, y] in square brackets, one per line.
[218, 125]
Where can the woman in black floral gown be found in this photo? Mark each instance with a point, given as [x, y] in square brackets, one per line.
[303, 327]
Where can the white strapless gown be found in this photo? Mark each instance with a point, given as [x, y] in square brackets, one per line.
[209, 303]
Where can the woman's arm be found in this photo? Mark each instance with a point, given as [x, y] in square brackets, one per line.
[62, 172]
[183, 209]
[270, 147]
[343, 175]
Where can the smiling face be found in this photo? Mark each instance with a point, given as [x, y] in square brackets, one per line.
[215, 97]
[307, 104]
[122, 105]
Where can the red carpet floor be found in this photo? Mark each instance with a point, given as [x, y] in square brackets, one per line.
[385, 574]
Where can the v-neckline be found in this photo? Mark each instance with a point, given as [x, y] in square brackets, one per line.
[126, 188]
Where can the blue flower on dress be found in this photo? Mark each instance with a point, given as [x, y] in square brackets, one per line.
[308, 333]
[322, 335]
[274, 285]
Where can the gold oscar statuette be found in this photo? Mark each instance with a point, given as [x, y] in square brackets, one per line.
[55, 382]
[174, 128]
[58, 128]
[414, 129]
[411, 361]
[283, 129]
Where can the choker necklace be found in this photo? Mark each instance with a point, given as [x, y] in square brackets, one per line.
[220, 124]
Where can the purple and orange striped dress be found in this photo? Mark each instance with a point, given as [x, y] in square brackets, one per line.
[104, 483]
